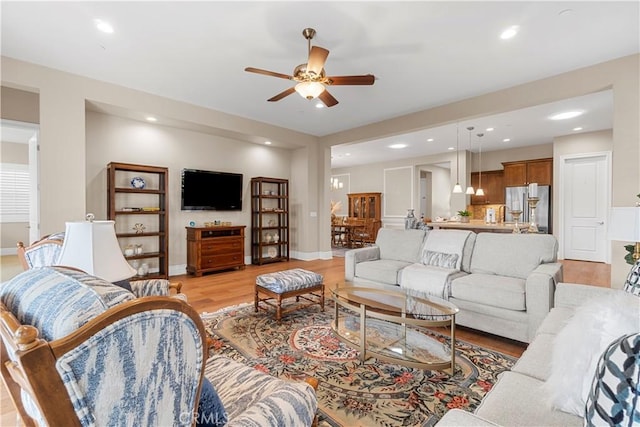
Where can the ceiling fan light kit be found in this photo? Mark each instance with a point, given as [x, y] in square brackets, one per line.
[311, 78]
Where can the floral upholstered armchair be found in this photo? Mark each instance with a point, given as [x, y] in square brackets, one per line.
[80, 351]
[46, 252]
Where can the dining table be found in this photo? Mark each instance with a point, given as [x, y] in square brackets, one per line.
[349, 230]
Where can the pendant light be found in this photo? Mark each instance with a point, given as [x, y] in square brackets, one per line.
[480, 191]
[470, 189]
[457, 188]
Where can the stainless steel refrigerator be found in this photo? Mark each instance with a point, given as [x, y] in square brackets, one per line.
[543, 208]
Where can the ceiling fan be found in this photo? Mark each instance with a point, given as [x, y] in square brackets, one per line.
[311, 77]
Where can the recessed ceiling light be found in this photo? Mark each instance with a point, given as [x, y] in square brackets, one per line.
[267, 143]
[510, 32]
[577, 129]
[451, 148]
[489, 129]
[103, 26]
[319, 105]
[429, 139]
[151, 119]
[566, 115]
[506, 140]
[347, 154]
[398, 146]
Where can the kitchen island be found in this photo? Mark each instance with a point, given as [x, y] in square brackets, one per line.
[479, 226]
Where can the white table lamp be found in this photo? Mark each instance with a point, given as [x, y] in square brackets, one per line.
[624, 226]
[92, 247]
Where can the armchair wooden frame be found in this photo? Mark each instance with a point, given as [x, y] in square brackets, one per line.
[33, 366]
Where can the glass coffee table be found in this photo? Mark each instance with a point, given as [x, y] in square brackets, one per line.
[390, 325]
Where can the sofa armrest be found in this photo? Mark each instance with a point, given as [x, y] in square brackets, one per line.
[354, 256]
[540, 289]
[572, 295]
[460, 418]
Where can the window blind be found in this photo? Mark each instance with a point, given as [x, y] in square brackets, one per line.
[14, 192]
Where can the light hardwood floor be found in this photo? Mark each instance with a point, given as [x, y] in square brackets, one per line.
[214, 291]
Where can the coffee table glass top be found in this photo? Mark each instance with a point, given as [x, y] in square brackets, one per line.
[390, 325]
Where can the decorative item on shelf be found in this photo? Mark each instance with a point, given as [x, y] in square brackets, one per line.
[276, 238]
[139, 228]
[410, 220]
[136, 265]
[138, 182]
[129, 250]
[143, 270]
[151, 209]
[226, 223]
[624, 226]
[464, 216]
[271, 223]
[272, 252]
[470, 189]
[267, 237]
[216, 222]
[138, 249]
[192, 223]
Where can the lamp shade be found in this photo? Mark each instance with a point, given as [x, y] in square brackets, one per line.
[457, 188]
[92, 246]
[310, 90]
[624, 224]
[470, 190]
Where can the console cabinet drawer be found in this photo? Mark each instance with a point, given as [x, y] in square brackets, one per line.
[214, 248]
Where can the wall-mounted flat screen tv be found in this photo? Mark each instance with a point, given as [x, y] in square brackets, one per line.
[211, 191]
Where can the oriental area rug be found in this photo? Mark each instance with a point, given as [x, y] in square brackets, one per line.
[352, 392]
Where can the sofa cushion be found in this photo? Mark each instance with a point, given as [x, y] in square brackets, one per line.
[536, 360]
[211, 412]
[613, 399]
[632, 284]
[400, 245]
[58, 300]
[491, 290]
[578, 346]
[519, 400]
[447, 242]
[513, 255]
[385, 271]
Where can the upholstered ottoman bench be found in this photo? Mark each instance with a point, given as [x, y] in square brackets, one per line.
[299, 283]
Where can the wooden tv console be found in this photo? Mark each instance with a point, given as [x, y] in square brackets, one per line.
[214, 248]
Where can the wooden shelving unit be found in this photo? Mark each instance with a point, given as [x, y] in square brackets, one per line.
[367, 206]
[125, 206]
[269, 220]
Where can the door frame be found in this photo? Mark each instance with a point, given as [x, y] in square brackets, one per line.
[561, 197]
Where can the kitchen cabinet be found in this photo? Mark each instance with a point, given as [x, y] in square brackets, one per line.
[524, 172]
[493, 186]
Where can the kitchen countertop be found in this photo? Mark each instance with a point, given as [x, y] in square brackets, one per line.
[479, 226]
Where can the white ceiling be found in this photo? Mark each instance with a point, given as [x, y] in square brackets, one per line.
[423, 54]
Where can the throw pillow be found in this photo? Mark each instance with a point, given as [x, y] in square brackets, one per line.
[439, 259]
[578, 346]
[124, 284]
[613, 399]
[632, 284]
[211, 412]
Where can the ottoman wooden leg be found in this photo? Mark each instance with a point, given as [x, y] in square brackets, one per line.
[322, 298]
[279, 308]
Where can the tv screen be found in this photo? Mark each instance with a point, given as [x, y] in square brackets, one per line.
[211, 191]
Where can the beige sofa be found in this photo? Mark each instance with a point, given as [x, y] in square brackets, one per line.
[502, 283]
[521, 396]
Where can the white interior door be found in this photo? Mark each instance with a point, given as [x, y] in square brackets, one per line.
[585, 202]
[34, 190]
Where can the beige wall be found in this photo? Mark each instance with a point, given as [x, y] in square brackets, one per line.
[13, 232]
[115, 139]
[19, 105]
[63, 100]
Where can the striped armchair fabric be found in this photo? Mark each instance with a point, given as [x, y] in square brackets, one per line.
[103, 356]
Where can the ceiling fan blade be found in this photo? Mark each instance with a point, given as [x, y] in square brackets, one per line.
[367, 79]
[317, 58]
[268, 73]
[327, 98]
[282, 94]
